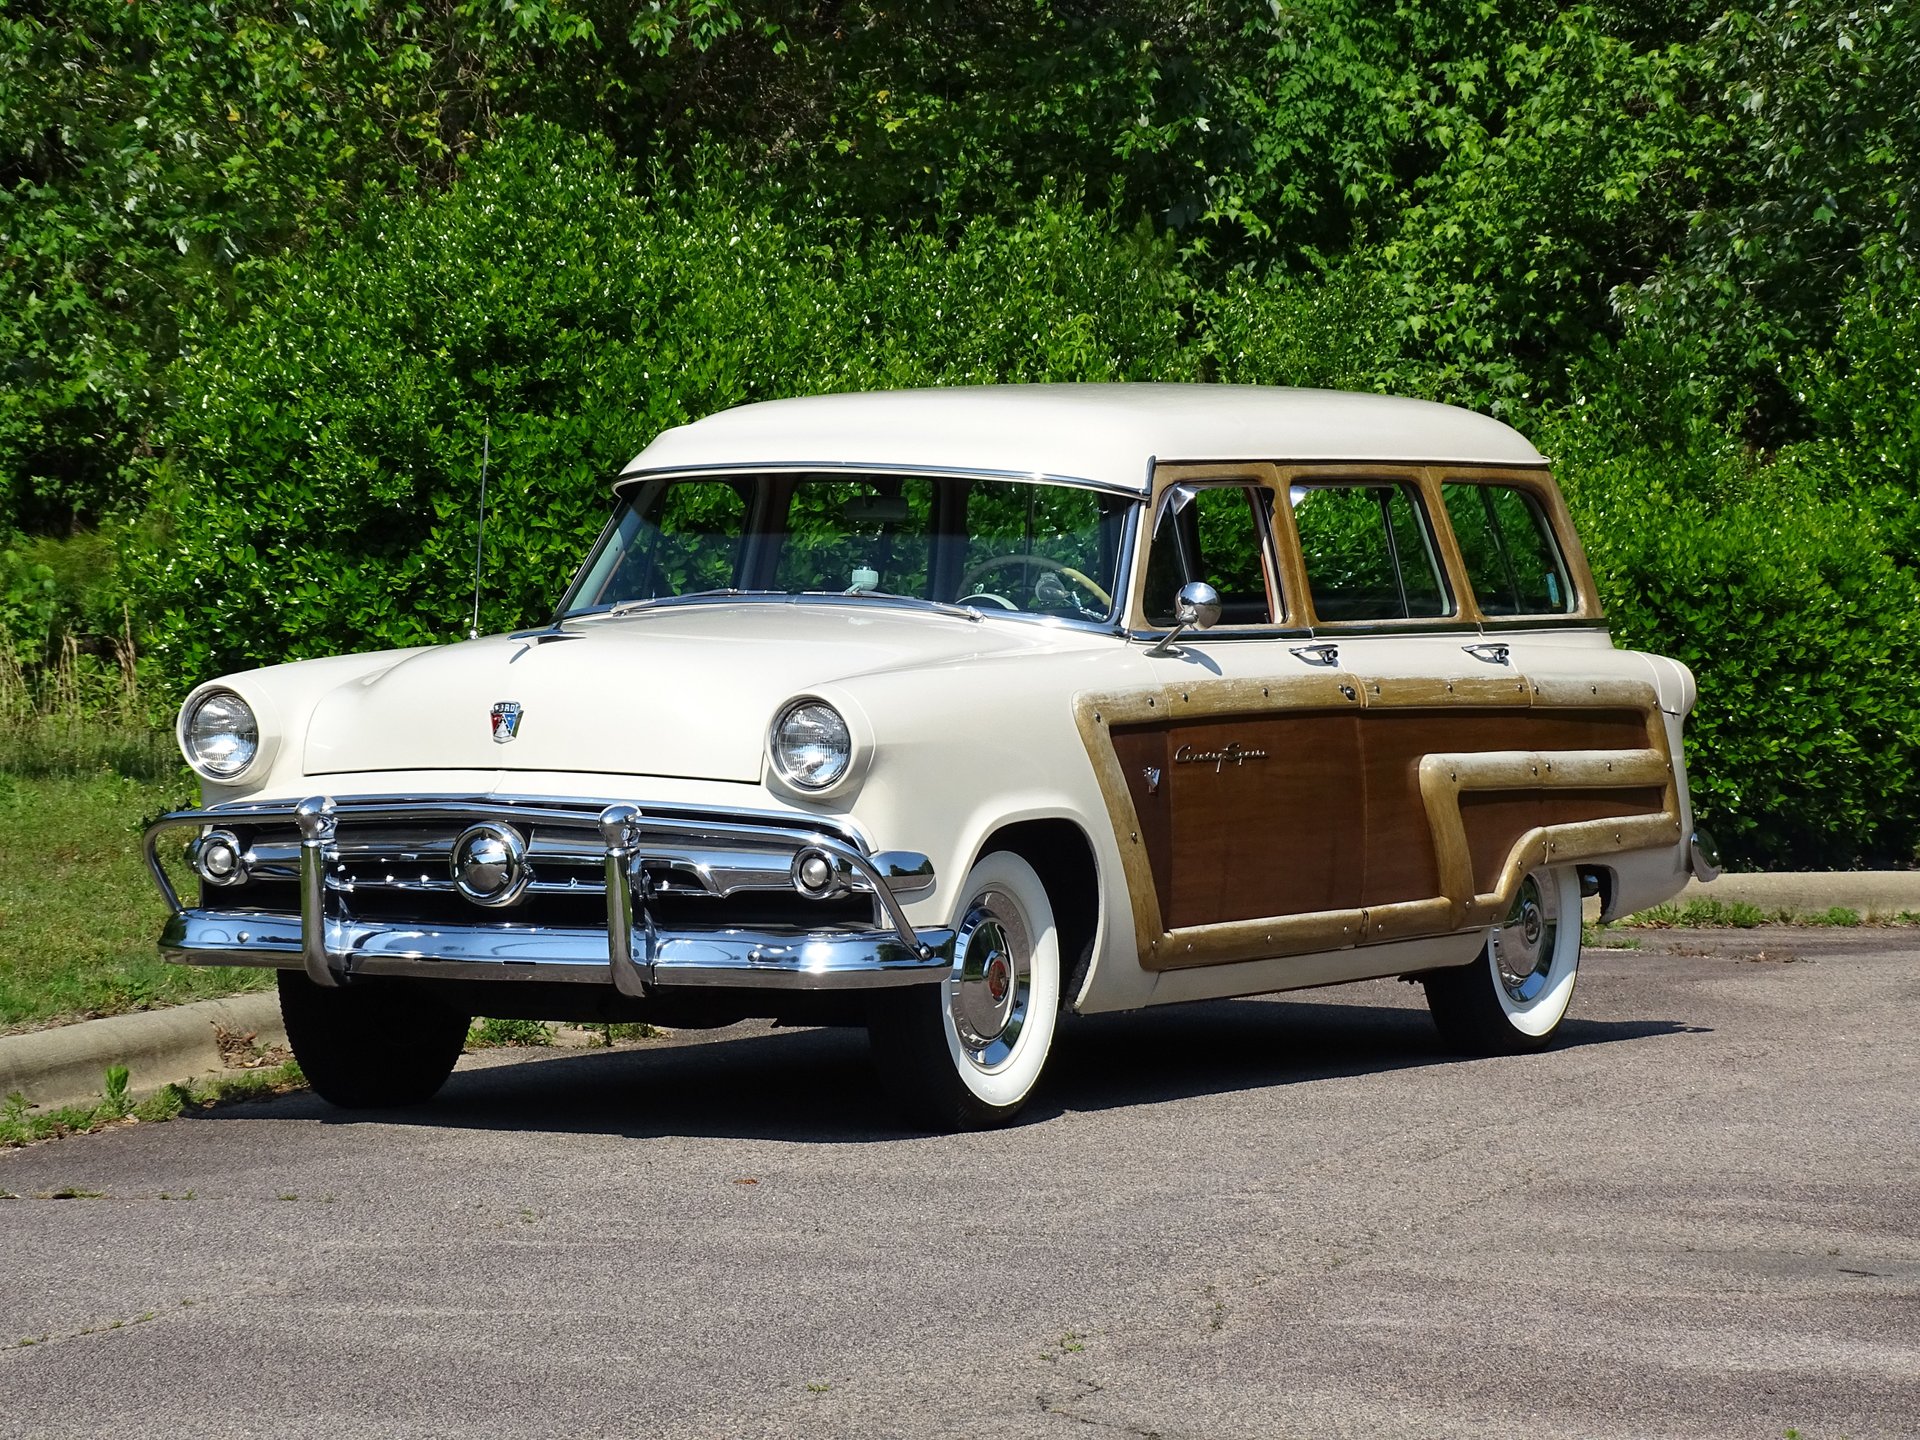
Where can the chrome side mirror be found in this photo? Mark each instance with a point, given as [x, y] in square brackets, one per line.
[1197, 607]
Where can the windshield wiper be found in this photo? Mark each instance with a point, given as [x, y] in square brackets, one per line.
[627, 607]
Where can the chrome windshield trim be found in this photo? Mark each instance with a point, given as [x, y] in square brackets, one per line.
[844, 467]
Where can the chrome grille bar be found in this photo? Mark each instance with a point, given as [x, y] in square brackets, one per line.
[636, 857]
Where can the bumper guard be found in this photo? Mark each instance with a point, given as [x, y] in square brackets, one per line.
[631, 953]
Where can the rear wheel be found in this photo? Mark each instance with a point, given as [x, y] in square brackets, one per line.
[370, 1046]
[968, 1051]
[1514, 996]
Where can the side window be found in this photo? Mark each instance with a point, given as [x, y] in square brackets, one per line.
[1368, 553]
[1215, 533]
[1512, 560]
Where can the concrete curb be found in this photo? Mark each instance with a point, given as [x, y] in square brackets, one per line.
[68, 1065]
[1871, 894]
[1874, 895]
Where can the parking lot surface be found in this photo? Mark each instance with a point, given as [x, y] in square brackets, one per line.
[1698, 1215]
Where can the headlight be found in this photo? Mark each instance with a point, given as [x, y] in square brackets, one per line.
[220, 735]
[812, 746]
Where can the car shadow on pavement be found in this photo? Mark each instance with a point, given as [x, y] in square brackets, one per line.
[811, 1085]
[1145, 1058]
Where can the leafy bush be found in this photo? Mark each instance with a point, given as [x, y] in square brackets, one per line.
[1803, 632]
[325, 460]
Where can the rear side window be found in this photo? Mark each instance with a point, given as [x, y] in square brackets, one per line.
[1512, 560]
[1368, 552]
[1215, 533]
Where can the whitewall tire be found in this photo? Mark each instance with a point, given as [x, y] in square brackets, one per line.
[1513, 997]
[968, 1051]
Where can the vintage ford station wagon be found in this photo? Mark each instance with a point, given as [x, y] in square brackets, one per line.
[943, 712]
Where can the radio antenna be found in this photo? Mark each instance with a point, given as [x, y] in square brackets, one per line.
[480, 531]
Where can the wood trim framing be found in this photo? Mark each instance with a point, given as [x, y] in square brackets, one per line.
[1289, 568]
[1445, 778]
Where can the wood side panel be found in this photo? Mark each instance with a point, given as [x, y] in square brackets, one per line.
[1276, 862]
[1400, 863]
[1496, 819]
[1258, 817]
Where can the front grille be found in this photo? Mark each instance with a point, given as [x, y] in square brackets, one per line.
[399, 871]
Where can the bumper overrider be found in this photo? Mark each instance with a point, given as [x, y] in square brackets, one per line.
[492, 888]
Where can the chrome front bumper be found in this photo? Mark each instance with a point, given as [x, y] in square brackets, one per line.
[631, 953]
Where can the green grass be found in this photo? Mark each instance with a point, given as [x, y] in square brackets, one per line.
[1718, 913]
[78, 913]
[1739, 916]
[490, 1031]
[20, 1126]
[59, 746]
[1838, 915]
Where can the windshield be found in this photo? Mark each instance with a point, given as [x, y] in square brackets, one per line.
[1024, 546]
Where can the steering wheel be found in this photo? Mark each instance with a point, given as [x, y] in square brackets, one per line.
[1000, 562]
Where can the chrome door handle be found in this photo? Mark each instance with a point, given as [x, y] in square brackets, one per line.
[1492, 654]
[1324, 653]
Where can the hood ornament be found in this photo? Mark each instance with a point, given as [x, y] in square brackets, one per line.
[506, 721]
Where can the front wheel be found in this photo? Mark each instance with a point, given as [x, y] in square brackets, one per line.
[1513, 997]
[968, 1051]
[369, 1046]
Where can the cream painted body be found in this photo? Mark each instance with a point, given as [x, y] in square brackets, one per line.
[962, 726]
[967, 728]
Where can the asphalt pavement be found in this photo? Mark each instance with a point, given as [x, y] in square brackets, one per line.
[1698, 1215]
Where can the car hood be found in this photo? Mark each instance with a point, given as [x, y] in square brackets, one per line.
[683, 691]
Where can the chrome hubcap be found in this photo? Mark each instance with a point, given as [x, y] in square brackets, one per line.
[1524, 943]
[988, 988]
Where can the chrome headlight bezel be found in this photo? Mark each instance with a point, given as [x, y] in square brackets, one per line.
[245, 734]
[830, 729]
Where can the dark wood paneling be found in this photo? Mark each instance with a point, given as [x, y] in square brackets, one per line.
[1280, 833]
[1331, 817]
[1495, 819]
[1400, 861]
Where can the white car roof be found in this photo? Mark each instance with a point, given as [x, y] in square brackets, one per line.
[1109, 435]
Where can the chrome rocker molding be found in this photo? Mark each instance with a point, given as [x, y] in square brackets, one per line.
[631, 954]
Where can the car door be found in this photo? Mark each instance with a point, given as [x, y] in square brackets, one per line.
[1476, 768]
[1232, 742]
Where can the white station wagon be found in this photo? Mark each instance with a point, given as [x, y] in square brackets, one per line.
[942, 712]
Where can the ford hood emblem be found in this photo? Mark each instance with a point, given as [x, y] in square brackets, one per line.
[506, 721]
